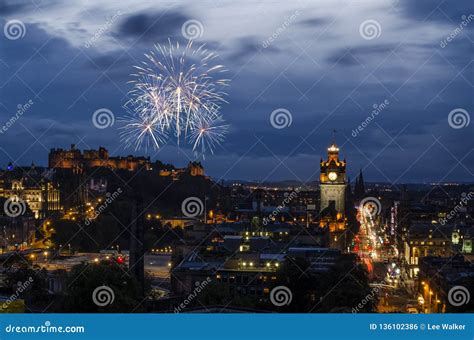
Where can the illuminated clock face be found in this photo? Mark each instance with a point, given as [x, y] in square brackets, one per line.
[332, 176]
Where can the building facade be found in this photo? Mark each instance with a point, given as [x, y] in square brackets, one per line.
[32, 187]
[75, 159]
[193, 169]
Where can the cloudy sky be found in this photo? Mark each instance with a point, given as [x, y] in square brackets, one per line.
[324, 64]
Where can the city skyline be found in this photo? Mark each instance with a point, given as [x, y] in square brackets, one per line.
[315, 61]
[352, 175]
[217, 157]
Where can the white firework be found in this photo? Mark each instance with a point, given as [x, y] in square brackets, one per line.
[189, 78]
[141, 130]
[176, 91]
[207, 133]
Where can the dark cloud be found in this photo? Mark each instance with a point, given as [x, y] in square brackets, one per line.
[441, 11]
[247, 47]
[357, 56]
[10, 7]
[22, 7]
[153, 27]
[313, 22]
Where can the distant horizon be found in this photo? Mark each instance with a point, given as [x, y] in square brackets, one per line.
[267, 181]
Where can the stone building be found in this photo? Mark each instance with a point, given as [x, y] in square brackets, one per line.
[31, 186]
[75, 159]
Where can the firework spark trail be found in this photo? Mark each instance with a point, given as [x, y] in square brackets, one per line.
[173, 94]
[207, 134]
[141, 130]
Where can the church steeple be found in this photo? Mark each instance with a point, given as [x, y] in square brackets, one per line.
[359, 189]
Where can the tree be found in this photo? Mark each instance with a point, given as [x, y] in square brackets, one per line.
[344, 287]
[84, 279]
[340, 289]
[31, 280]
[302, 284]
[66, 232]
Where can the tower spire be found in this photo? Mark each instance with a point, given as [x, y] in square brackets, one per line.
[333, 149]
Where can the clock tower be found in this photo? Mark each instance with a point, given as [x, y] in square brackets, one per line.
[333, 180]
[333, 183]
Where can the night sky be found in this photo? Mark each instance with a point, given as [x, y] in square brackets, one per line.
[75, 57]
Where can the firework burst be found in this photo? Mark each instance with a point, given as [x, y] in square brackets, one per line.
[177, 89]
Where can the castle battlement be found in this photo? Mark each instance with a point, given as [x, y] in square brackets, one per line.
[74, 158]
